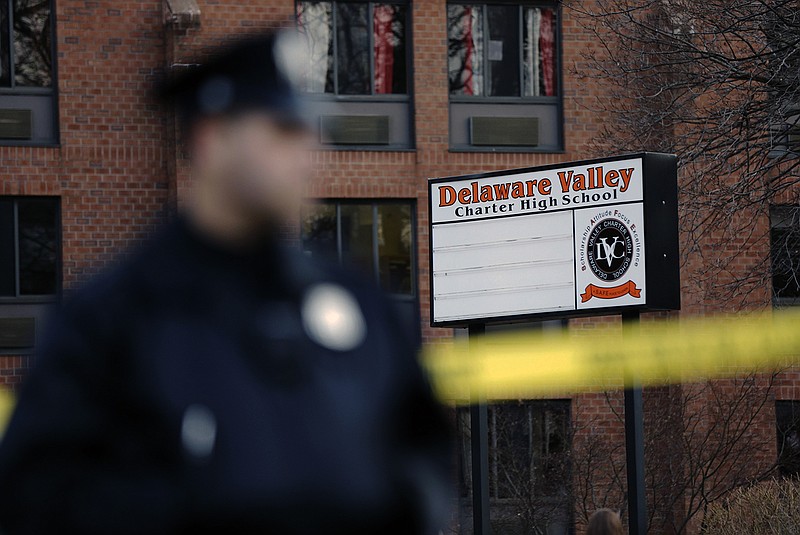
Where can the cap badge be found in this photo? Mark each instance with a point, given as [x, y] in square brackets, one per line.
[291, 56]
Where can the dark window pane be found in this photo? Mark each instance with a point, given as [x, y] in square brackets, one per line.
[319, 232]
[465, 49]
[407, 314]
[394, 248]
[503, 50]
[342, 39]
[785, 244]
[464, 434]
[539, 53]
[787, 414]
[357, 249]
[786, 262]
[38, 247]
[5, 46]
[315, 22]
[353, 48]
[388, 32]
[7, 250]
[32, 46]
[529, 471]
[513, 450]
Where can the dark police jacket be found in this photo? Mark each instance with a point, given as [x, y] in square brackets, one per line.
[189, 391]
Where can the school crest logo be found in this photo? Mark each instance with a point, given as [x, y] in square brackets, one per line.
[608, 252]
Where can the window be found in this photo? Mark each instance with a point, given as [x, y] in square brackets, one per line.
[503, 75]
[785, 133]
[29, 248]
[528, 466]
[29, 269]
[357, 71]
[780, 33]
[785, 252]
[502, 50]
[376, 238]
[787, 415]
[354, 49]
[27, 86]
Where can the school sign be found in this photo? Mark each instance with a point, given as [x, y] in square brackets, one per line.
[590, 237]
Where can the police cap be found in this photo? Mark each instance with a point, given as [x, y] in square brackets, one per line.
[257, 73]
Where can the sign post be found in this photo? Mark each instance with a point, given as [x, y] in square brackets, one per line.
[634, 444]
[479, 443]
[589, 238]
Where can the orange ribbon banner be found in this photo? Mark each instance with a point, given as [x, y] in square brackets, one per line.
[611, 293]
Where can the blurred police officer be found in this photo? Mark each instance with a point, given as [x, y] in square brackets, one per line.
[217, 381]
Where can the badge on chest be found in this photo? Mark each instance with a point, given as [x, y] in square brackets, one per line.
[332, 317]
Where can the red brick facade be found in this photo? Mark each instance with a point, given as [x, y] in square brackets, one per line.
[119, 172]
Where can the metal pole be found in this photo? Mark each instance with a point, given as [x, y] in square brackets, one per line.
[479, 441]
[634, 443]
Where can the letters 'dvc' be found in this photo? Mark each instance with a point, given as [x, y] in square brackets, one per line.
[583, 238]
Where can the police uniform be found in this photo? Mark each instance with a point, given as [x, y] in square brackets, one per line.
[199, 388]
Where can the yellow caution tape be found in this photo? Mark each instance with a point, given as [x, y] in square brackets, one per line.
[541, 363]
[6, 408]
[518, 366]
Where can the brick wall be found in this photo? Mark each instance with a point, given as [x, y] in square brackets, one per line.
[109, 166]
[12, 370]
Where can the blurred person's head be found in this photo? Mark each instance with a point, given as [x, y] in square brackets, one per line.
[248, 140]
[604, 522]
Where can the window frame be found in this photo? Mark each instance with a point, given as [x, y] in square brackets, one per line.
[23, 91]
[537, 407]
[44, 298]
[781, 407]
[532, 408]
[372, 96]
[520, 4]
[785, 136]
[556, 101]
[783, 214]
[331, 99]
[375, 203]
